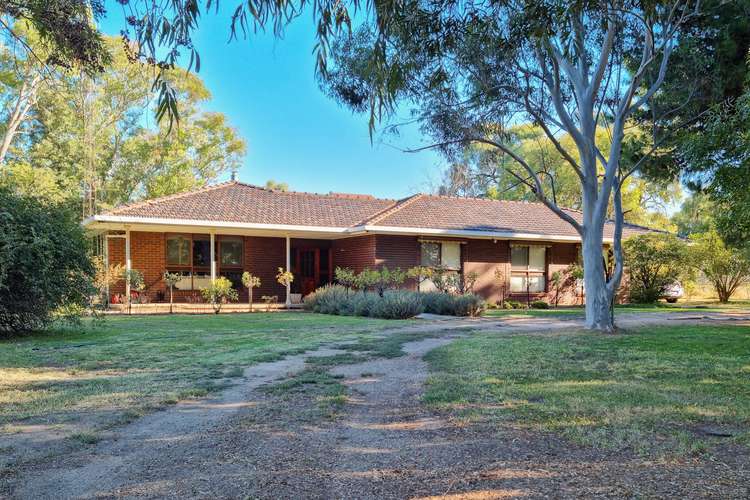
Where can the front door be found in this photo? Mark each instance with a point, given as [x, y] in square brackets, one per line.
[309, 269]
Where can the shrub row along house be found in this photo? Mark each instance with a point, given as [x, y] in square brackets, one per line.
[223, 230]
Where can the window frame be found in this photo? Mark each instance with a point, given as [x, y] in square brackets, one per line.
[528, 272]
[227, 238]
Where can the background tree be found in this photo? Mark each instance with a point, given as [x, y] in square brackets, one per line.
[483, 171]
[654, 262]
[276, 186]
[472, 70]
[696, 215]
[44, 262]
[726, 268]
[91, 137]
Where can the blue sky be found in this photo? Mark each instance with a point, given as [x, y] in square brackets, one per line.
[294, 132]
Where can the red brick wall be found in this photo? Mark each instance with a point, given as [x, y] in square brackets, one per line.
[263, 257]
[484, 257]
[355, 253]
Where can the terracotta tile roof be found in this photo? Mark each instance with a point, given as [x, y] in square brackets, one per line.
[238, 202]
[244, 203]
[477, 214]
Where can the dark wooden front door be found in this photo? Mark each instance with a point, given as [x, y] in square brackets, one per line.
[308, 266]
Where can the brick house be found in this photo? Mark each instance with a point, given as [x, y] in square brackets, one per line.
[228, 228]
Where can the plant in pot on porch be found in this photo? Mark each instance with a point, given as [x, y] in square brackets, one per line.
[171, 279]
[219, 293]
[250, 282]
[284, 278]
[137, 284]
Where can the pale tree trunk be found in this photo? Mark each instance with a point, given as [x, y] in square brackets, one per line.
[24, 101]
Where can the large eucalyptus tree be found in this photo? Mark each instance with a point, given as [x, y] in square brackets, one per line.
[471, 70]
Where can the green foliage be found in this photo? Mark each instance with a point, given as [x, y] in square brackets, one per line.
[696, 215]
[397, 304]
[539, 304]
[726, 268]
[249, 281]
[219, 292]
[514, 304]
[345, 277]
[284, 278]
[654, 261]
[277, 186]
[91, 138]
[44, 263]
[105, 276]
[393, 304]
[171, 279]
[135, 278]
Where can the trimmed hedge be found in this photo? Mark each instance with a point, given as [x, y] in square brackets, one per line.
[394, 304]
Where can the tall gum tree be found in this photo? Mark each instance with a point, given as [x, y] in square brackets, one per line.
[472, 70]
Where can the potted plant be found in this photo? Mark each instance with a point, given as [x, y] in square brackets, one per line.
[218, 293]
[250, 282]
[171, 279]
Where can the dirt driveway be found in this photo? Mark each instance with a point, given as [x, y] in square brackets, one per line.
[250, 442]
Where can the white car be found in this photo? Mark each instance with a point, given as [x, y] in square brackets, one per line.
[673, 292]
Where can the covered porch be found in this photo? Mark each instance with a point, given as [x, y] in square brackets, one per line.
[201, 254]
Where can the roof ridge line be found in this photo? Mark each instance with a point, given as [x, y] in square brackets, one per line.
[390, 210]
[158, 199]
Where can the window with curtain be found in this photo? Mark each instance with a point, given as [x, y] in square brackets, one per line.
[178, 250]
[528, 264]
[445, 253]
[230, 252]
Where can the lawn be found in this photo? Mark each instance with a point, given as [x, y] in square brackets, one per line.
[127, 366]
[577, 311]
[662, 390]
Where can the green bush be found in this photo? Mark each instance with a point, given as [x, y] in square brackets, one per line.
[437, 303]
[219, 293]
[514, 304]
[539, 304]
[468, 304]
[44, 263]
[394, 304]
[397, 304]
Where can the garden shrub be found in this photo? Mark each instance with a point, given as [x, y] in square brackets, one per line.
[44, 263]
[394, 304]
[397, 304]
[514, 304]
[437, 303]
[539, 304]
[468, 304]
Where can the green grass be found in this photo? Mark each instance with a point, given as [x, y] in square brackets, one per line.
[129, 365]
[577, 311]
[653, 391]
[329, 394]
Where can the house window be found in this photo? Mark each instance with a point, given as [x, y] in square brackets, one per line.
[431, 254]
[230, 252]
[445, 253]
[528, 264]
[201, 251]
[178, 251]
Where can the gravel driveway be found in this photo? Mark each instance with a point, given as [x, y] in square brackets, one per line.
[251, 443]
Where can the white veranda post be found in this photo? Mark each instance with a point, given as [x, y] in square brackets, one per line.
[288, 264]
[213, 258]
[128, 265]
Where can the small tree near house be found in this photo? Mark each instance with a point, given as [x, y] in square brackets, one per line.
[557, 279]
[725, 267]
[250, 282]
[137, 284]
[171, 279]
[219, 293]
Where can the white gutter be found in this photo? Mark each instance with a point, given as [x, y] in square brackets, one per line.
[343, 231]
[125, 219]
[466, 233]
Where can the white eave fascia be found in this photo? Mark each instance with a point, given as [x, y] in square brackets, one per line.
[342, 231]
[466, 233]
[126, 219]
